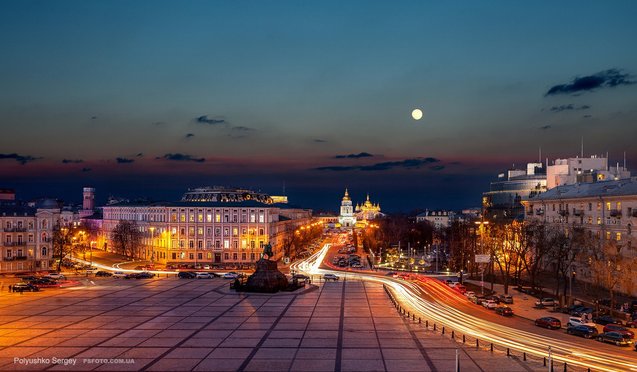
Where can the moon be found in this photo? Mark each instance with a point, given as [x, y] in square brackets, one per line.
[416, 114]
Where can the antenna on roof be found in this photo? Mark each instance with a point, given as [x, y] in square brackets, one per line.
[624, 160]
[539, 159]
[582, 149]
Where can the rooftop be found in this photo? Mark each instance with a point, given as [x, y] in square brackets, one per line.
[585, 190]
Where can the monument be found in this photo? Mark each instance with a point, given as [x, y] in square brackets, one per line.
[267, 278]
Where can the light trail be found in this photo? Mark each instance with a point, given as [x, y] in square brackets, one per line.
[410, 295]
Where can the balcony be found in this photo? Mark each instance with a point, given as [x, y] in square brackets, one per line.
[46, 240]
[539, 212]
[15, 244]
[578, 212]
[617, 213]
[563, 212]
[16, 258]
[15, 229]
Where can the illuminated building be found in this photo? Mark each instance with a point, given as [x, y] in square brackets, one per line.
[208, 226]
[367, 211]
[347, 218]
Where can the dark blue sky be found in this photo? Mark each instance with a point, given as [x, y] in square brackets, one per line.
[150, 97]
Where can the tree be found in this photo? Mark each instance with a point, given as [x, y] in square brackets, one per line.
[126, 238]
[61, 243]
[533, 254]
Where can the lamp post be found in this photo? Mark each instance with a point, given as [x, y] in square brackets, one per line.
[481, 224]
[152, 250]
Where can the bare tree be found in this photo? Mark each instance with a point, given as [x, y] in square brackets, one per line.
[61, 242]
[126, 238]
[535, 251]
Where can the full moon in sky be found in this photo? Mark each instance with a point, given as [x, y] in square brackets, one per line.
[416, 114]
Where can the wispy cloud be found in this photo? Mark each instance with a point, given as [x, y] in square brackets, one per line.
[569, 107]
[124, 160]
[604, 79]
[243, 129]
[22, 159]
[72, 161]
[85, 169]
[400, 164]
[140, 154]
[318, 140]
[181, 157]
[354, 156]
[205, 119]
[189, 135]
[545, 127]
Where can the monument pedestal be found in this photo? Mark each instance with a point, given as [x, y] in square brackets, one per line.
[267, 278]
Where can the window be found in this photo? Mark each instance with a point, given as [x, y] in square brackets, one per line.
[226, 244]
[208, 244]
[200, 231]
[181, 244]
[234, 256]
[182, 217]
[618, 236]
[235, 231]
[261, 217]
[191, 217]
[226, 231]
[253, 218]
[244, 256]
[234, 218]
[199, 244]
[619, 206]
[199, 256]
[226, 256]
[209, 217]
[244, 243]
[599, 220]
[217, 231]
[191, 244]
[44, 251]
[607, 206]
[200, 217]
[217, 217]
[607, 235]
[191, 256]
[261, 232]
[191, 231]
[599, 206]
[173, 217]
[235, 244]
[226, 218]
[174, 256]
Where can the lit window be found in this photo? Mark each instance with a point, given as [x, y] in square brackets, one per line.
[618, 236]
[607, 235]
[226, 244]
[209, 217]
[217, 217]
[607, 206]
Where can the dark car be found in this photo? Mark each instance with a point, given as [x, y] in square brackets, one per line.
[620, 329]
[24, 287]
[614, 338]
[504, 311]
[104, 273]
[28, 278]
[494, 298]
[605, 319]
[507, 299]
[186, 275]
[581, 311]
[548, 322]
[300, 277]
[44, 283]
[582, 331]
[145, 275]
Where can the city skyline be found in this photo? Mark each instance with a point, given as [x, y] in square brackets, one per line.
[146, 99]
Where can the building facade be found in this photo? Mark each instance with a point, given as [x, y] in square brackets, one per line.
[608, 211]
[347, 218]
[209, 226]
[438, 219]
[367, 211]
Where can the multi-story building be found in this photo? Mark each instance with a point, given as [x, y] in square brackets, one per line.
[26, 235]
[209, 225]
[607, 209]
[366, 212]
[583, 170]
[438, 219]
[347, 217]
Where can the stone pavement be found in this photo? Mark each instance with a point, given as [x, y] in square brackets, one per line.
[170, 325]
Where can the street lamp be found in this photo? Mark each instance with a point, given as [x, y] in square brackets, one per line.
[152, 250]
[481, 224]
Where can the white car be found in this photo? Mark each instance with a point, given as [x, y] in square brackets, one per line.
[118, 274]
[56, 276]
[330, 277]
[546, 302]
[206, 267]
[469, 294]
[490, 304]
[575, 321]
[203, 275]
[230, 275]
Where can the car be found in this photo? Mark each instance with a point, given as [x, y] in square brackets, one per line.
[575, 321]
[186, 275]
[490, 304]
[507, 299]
[91, 271]
[145, 275]
[460, 288]
[44, 283]
[548, 322]
[140, 267]
[618, 328]
[103, 273]
[204, 275]
[230, 275]
[605, 319]
[118, 274]
[131, 276]
[478, 300]
[504, 311]
[56, 276]
[582, 331]
[206, 267]
[300, 277]
[581, 311]
[616, 338]
[469, 294]
[333, 277]
[28, 278]
[24, 287]
[547, 301]
[494, 298]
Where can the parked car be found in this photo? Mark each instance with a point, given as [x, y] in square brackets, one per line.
[44, 283]
[118, 274]
[507, 299]
[56, 276]
[575, 321]
[469, 294]
[206, 267]
[203, 275]
[606, 319]
[91, 271]
[230, 275]
[477, 300]
[24, 287]
[490, 304]
[494, 298]
[186, 275]
[333, 277]
[460, 288]
[581, 311]
[504, 311]
[300, 277]
[131, 276]
[548, 322]
[28, 278]
[620, 329]
[103, 273]
[547, 301]
[145, 275]
[616, 338]
[582, 331]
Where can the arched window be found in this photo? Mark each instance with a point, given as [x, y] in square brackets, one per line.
[44, 251]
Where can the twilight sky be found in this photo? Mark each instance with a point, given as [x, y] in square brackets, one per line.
[147, 98]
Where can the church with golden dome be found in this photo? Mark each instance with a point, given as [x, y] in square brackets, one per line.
[360, 215]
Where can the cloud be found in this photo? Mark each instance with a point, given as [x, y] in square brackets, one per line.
[603, 79]
[157, 123]
[140, 154]
[401, 164]
[189, 135]
[354, 156]
[124, 160]
[22, 159]
[204, 119]
[318, 140]
[181, 157]
[243, 129]
[437, 167]
[70, 161]
[93, 117]
[588, 116]
[86, 169]
[545, 127]
[569, 107]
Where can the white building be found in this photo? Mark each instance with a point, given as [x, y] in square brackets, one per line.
[347, 218]
[438, 219]
[579, 169]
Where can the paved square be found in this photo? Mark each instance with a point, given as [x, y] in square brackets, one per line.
[172, 325]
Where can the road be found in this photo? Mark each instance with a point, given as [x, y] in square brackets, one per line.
[432, 300]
